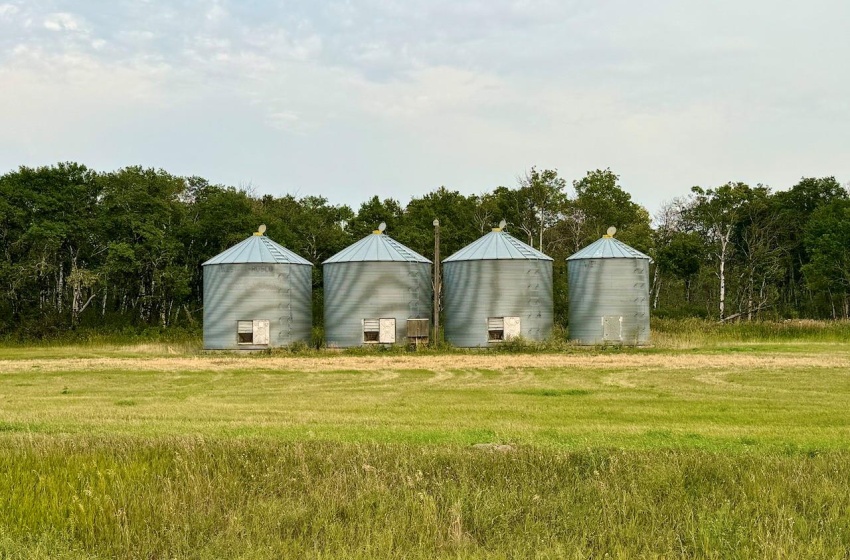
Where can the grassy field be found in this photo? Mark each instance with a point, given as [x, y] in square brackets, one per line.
[719, 445]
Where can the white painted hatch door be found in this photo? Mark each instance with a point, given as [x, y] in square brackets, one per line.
[261, 332]
[387, 331]
[612, 328]
[513, 327]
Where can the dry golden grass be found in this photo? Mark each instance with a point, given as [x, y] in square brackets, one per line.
[396, 362]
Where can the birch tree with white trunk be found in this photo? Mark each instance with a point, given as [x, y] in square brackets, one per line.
[716, 213]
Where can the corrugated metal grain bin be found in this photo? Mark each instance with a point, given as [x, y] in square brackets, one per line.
[609, 294]
[372, 289]
[257, 295]
[495, 289]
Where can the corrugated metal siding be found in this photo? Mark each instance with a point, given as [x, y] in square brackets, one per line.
[606, 288]
[280, 293]
[476, 290]
[373, 290]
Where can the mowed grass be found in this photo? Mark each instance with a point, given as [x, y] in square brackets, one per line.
[712, 401]
[726, 451]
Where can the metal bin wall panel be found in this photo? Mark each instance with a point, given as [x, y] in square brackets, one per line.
[359, 290]
[601, 292]
[476, 290]
[279, 293]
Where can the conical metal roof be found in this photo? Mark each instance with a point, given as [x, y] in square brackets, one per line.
[257, 249]
[608, 248]
[377, 247]
[497, 245]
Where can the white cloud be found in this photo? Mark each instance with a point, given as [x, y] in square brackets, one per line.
[462, 92]
[63, 21]
[282, 45]
[39, 80]
[7, 11]
[216, 12]
[286, 120]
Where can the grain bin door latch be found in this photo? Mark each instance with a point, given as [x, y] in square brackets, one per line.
[612, 328]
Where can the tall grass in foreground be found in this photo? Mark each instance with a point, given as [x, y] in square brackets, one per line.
[95, 337]
[86, 497]
[675, 333]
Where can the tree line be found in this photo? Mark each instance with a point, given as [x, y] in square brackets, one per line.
[82, 248]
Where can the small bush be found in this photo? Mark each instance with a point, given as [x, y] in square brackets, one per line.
[317, 337]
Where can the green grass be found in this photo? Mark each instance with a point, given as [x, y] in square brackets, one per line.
[738, 448]
[196, 498]
[636, 402]
[698, 333]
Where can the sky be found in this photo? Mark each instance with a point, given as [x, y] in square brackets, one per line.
[349, 99]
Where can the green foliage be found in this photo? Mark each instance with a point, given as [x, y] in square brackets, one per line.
[681, 256]
[827, 241]
[793, 209]
[372, 213]
[317, 338]
[737, 226]
[602, 203]
[457, 225]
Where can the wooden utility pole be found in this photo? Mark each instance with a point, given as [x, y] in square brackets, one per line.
[436, 281]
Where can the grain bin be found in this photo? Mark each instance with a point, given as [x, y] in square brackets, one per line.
[609, 293]
[495, 289]
[377, 291]
[257, 295]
